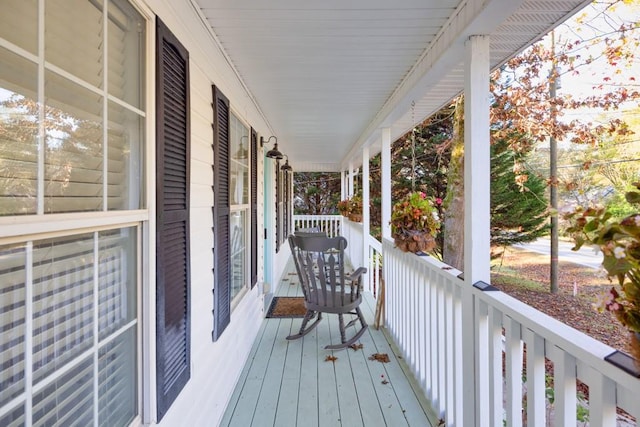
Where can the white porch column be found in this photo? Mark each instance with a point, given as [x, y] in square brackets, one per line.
[386, 182]
[476, 224]
[365, 205]
[477, 159]
[351, 177]
[343, 185]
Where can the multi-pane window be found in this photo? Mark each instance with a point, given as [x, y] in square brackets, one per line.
[284, 197]
[68, 326]
[72, 115]
[239, 145]
[70, 127]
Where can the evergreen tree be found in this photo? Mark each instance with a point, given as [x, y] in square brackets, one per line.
[518, 206]
[316, 193]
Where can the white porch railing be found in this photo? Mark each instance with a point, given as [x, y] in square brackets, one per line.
[353, 231]
[337, 225]
[330, 224]
[424, 306]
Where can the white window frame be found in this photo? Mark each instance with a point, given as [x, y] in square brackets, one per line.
[243, 207]
[24, 229]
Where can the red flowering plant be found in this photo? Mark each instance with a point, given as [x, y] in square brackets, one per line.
[619, 241]
[343, 207]
[414, 224]
[351, 207]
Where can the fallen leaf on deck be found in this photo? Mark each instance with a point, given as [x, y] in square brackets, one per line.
[330, 358]
[380, 357]
[356, 347]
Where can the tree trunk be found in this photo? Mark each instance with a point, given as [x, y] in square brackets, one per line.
[453, 249]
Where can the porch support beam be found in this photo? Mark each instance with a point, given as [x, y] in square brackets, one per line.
[476, 222]
[477, 159]
[365, 205]
[351, 177]
[386, 182]
[343, 185]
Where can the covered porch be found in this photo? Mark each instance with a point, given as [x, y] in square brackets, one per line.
[159, 224]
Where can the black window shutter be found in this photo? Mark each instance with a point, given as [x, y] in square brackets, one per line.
[254, 207]
[278, 210]
[221, 257]
[172, 218]
[287, 206]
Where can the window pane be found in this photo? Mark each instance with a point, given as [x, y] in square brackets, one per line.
[126, 41]
[238, 253]
[18, 135]
[118, 399]
[239, 163]
[12, 323]
[63, 321]
[124, 158]
[68, 400]
[73, 34]
[19, 23]
[76, 173]
[62, 301]
[117, 280]
[74, 149]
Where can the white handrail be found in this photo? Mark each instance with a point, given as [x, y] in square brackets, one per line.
[330, 224]
[423, 314]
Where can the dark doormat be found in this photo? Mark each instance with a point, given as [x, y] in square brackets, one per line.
[287, 307]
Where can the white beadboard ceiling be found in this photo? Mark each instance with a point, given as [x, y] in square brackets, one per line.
[327, 75]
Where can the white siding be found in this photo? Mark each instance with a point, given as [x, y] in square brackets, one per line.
[215, 366]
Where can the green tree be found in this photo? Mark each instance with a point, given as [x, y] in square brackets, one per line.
[518, 209]
[518, 212]
[523, 105]
[316, 193]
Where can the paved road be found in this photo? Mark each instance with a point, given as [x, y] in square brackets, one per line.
[585, 256]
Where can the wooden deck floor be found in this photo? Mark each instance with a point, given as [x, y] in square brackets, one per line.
[290, 383]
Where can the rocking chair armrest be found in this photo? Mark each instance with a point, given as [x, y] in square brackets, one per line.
[356, 274]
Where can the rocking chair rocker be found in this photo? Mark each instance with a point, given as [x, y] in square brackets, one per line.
[326, 288]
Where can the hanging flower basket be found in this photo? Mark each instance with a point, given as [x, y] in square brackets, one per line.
[414, 224]
[414, 241]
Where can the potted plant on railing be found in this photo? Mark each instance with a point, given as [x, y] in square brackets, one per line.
[414, 224]
[355, 208]
[351, 207]
[619, 241]
[343, 207]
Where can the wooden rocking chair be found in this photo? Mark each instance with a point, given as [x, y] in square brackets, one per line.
[326, 288]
